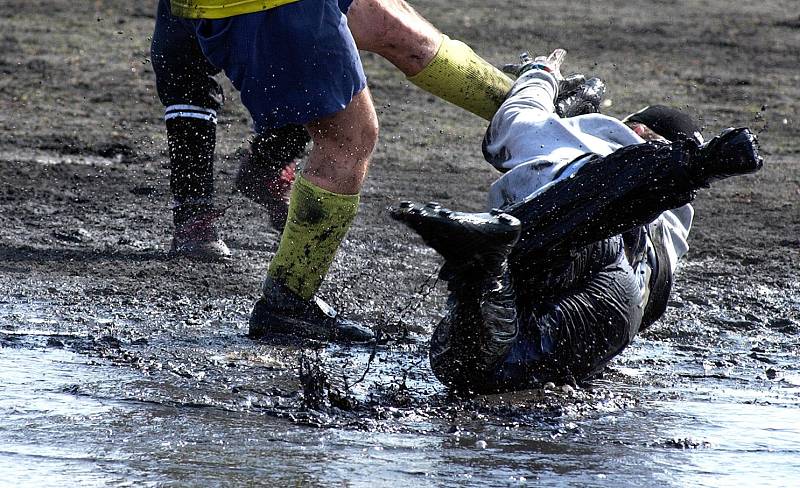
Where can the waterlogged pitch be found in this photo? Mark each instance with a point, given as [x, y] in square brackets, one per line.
[121, 366]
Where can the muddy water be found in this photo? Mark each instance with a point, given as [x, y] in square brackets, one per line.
[93, 411]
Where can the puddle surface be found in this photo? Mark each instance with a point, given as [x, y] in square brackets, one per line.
[78, 409]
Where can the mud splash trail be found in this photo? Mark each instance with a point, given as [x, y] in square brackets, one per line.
[121, 367]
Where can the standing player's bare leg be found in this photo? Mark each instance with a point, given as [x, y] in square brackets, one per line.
[444, 67]
[323, 203]
[392, 29]
[343, 145]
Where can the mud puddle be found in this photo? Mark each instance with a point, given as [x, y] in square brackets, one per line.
[86, 409]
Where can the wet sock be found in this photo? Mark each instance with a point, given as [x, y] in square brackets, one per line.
[191, 143]
[461, 77]
[318, 221]
[188, 211]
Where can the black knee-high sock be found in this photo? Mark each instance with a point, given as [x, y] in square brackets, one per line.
[191, 144]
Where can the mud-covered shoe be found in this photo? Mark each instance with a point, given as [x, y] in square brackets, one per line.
[467, 241]
[733, 152]
[196, 237]
[281, 312]
[268, 186]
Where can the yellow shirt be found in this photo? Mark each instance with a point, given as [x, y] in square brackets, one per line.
[218, 9]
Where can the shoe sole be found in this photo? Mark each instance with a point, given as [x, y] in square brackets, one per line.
[459, 236]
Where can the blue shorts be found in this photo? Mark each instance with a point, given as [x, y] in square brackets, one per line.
[291, 64]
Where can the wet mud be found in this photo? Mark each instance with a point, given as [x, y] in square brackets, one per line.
[119, 366]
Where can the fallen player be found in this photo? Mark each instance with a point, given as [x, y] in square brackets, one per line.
[590, 219]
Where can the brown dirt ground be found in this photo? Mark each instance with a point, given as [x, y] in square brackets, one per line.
[84, 200]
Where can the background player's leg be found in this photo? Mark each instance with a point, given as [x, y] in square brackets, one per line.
[191, 96]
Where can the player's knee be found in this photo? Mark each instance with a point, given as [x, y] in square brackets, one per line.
[369, 132]
[351, 134]
[358, 143]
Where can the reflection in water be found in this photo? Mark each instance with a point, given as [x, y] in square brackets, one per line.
[40, 417]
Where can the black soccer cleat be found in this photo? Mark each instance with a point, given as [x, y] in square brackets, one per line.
[465, 240]
[733, 152]
[281, 312]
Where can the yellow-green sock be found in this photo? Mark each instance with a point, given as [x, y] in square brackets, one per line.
[318, 221]
[461, 77]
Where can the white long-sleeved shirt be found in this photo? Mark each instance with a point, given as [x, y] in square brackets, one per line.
[536, 148]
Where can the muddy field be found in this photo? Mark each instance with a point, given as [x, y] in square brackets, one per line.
[119, 366]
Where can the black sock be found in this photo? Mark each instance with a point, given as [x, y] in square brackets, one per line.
[279, 146]
[191, 144]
